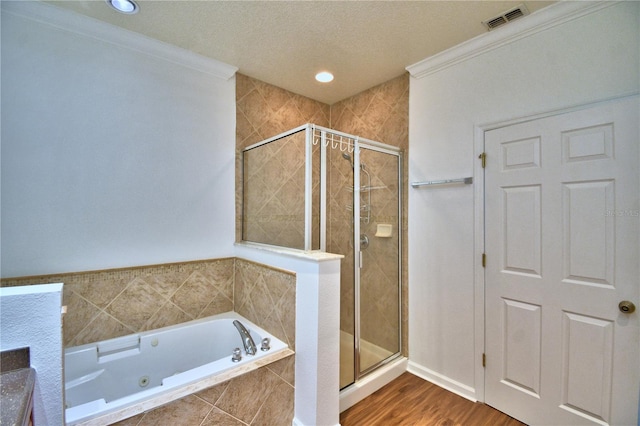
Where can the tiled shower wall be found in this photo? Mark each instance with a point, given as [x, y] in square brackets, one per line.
[263, 111]
[274, 182]
[379, 308]
[380, 113]
[274, 192]
[112, 303]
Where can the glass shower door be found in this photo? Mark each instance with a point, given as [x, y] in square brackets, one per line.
[340, 240]
[379, 272]
[313, 188]
[363, 224]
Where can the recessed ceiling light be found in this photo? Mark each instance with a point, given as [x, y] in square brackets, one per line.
[324, 77]
[124, 6]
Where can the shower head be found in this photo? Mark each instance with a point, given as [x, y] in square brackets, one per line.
[348, 158]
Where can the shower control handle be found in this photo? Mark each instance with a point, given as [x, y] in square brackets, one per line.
[364, 242]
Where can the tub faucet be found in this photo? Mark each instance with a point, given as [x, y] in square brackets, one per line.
[247, 341]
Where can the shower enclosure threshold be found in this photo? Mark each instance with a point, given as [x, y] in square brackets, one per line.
[373, 381]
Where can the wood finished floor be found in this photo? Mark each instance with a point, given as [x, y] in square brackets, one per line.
[410, 400]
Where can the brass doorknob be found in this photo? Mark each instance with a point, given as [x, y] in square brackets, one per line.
[626, 307]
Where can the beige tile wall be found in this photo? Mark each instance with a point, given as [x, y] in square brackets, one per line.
[263, 111]
[267, 297]
[106, 304]
[111, 303]
[274, 182]
[380, 113]
[260, 398]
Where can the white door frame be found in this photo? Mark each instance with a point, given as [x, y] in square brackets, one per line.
[479, 230]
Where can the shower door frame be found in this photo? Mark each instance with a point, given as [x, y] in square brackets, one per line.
[358, 143]
[371, 145]
[389, 150]
[308, 185]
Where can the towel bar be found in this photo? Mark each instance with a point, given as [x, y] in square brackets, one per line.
[466, 181]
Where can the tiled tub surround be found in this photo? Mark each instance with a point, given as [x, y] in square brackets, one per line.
[112, 303]
[263, 397]
[167, 364]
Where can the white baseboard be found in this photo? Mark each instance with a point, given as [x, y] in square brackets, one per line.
[297, 422]
[443, 381]
[371, 383]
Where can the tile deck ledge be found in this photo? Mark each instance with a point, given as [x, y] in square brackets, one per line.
[313, 255]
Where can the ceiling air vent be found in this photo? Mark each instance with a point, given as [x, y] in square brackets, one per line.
[506, 17]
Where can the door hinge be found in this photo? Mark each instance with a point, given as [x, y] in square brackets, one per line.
[484, 260]
[483, 158]
[484, 360]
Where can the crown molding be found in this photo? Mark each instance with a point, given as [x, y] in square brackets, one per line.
[85, 26]
[544, 19]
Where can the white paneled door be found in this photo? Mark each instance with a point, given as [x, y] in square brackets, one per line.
[562, 234]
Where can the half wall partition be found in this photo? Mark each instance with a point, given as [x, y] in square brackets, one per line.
[314, 188]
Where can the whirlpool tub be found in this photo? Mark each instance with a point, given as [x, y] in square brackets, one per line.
[114, 379]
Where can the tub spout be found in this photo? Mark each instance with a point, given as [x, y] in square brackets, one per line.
[247, 341]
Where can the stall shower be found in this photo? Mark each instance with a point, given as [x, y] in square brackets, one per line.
[314, 188]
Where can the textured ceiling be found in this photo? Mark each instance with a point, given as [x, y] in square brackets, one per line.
[285, 43]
